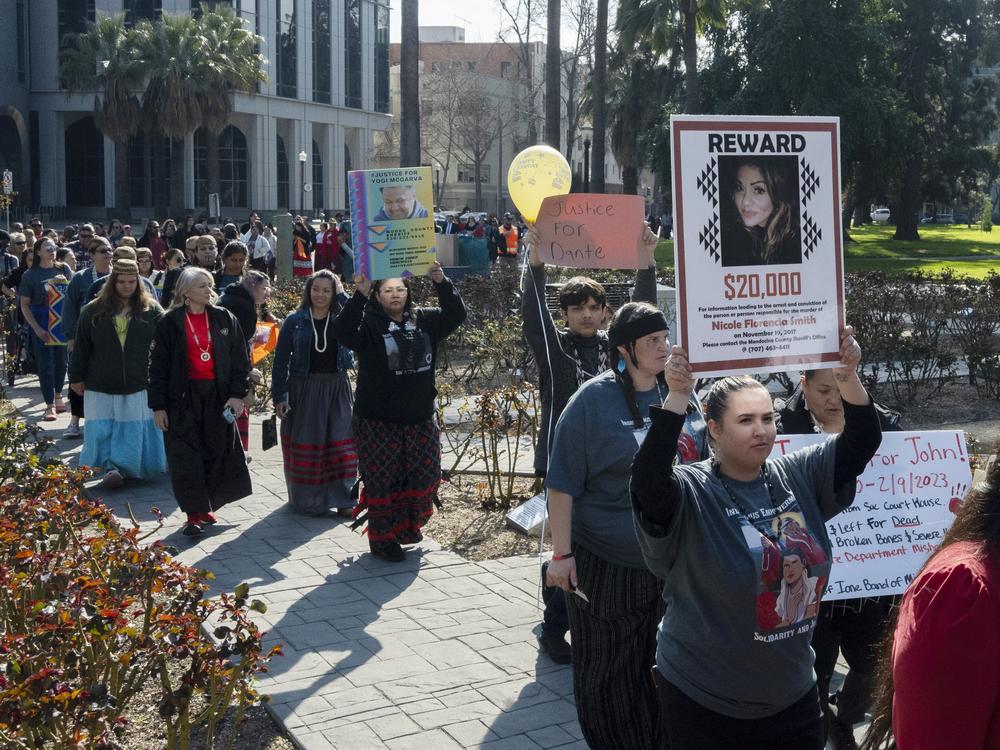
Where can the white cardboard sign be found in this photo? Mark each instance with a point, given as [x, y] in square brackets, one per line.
[906, 501]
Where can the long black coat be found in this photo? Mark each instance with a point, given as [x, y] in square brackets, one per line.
[207, 465]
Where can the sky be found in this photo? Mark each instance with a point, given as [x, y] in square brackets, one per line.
[479, 18]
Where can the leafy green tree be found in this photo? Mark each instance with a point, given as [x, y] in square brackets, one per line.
[658, 23]
[232, 62]
[938, 43]
[105, 59]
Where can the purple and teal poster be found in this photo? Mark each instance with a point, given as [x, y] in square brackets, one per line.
[392, 222]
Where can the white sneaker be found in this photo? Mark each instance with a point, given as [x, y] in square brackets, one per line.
[73, 431]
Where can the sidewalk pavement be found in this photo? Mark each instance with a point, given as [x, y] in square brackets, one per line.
[436, 652]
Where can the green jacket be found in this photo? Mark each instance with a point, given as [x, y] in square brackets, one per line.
[102, 363]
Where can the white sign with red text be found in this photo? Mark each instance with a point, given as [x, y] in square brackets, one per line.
[758, 249]
[906, 500]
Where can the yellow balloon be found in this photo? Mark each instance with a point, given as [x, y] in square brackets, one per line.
[535, 174]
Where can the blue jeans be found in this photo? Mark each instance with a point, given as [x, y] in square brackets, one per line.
[51, 364]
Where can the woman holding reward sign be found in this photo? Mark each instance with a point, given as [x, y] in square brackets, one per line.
[853, 627]
[742, 546]
[614, 602]
[398, 442]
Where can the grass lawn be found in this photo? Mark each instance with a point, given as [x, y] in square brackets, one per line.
[967, 252]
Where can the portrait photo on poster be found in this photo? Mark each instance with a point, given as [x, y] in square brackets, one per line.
[759, 207]
[399, 202]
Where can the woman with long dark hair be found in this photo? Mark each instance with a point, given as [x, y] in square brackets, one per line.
[760, 212]
[741, 544]
[198, 372]
[50, 356]
[312, 397]
[110, 370]
[938, 685]
[399, 443]
[617, 606]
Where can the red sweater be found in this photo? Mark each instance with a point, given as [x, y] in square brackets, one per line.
[946, 655]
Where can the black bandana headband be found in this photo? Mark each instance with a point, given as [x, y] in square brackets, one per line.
[637, 328]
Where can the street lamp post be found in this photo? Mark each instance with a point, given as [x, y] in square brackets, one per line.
[302, 181]
[586, 165]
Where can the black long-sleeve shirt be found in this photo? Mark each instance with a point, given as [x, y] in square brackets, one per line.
[654, 488]
[396, 361]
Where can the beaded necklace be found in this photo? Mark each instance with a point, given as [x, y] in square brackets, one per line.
[767, 531]
[206, 352]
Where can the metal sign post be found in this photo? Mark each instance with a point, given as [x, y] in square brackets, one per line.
[8, 188]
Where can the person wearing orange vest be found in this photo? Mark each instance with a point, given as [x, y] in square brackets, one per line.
[508, 240]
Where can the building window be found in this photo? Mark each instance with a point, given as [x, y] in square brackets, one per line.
[321, 51]
[467, 173]
[84, 164]
[74, 15]
[319, 196]
[285, 62]
[282, 174]
[143, 178]
[234, 168]
[381, 58]
[352, 53]
[22, 44]
[505, 70]
[137, 10]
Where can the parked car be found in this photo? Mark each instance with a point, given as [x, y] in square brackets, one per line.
[938, 219]
[880, 216]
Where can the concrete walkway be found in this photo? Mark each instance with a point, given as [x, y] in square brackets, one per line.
[435, 652]
[431, 654]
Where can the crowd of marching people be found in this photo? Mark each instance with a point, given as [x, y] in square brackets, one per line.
[688, 566]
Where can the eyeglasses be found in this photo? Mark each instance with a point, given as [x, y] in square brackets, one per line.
[104, 251]
[22, 242]
[86, 236]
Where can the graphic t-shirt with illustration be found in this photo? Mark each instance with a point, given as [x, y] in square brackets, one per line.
[740, 614]
[595, 442]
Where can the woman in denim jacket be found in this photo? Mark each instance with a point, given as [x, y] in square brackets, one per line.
[312, 397]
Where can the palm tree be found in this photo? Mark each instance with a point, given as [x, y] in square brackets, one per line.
[553, 76]
[409, 85]
[658, 21]
[599, 89]
[174, 48]
[192, 67]
[103, 59]
[638, 87]
[232, 62]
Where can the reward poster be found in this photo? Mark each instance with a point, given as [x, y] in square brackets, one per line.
[758, 242]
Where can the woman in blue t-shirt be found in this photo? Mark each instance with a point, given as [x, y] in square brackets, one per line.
[596, 556]
[50, 357]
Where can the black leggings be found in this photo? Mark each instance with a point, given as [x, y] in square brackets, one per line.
[690, 726]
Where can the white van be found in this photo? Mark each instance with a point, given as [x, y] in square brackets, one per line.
[880, 216]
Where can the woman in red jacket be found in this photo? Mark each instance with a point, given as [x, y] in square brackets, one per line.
[939, 687]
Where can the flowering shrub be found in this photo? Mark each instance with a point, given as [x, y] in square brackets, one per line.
[89, 614]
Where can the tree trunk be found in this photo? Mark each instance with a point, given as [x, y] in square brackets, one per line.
[409, 86]
[177, 207]
[906, 211]
[599, 85]
[691, 105]
[159, 179]
[630, 180]
[123, 190]
[479, 186]
[212, 164]
[553, 76]
[850, 198]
